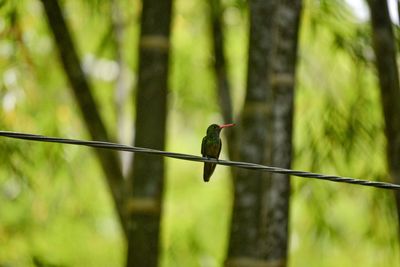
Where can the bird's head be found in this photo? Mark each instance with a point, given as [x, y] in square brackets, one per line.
[216, 129]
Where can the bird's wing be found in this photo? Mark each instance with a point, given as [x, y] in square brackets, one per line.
[203, 147]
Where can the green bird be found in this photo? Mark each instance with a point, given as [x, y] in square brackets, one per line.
[211, 147]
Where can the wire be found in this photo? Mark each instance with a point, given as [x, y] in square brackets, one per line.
[244, 165]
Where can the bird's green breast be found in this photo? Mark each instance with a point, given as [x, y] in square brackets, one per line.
[211, 146]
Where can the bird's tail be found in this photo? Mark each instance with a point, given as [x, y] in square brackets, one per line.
[208, 171]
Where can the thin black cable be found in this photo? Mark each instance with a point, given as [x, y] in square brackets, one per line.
[245, 165]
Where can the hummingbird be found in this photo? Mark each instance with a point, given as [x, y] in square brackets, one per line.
[211, 147]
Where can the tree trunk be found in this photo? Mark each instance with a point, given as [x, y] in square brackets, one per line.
[220, 70]
[274, 243]
[385, 57]
[82, 92]
[151, 113]
[254, 140]
[121, 89]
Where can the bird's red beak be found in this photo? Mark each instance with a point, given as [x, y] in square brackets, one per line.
[226, 125]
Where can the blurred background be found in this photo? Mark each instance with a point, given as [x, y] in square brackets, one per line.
[58, 205]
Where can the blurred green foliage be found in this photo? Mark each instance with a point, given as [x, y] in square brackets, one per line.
[55, 207]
